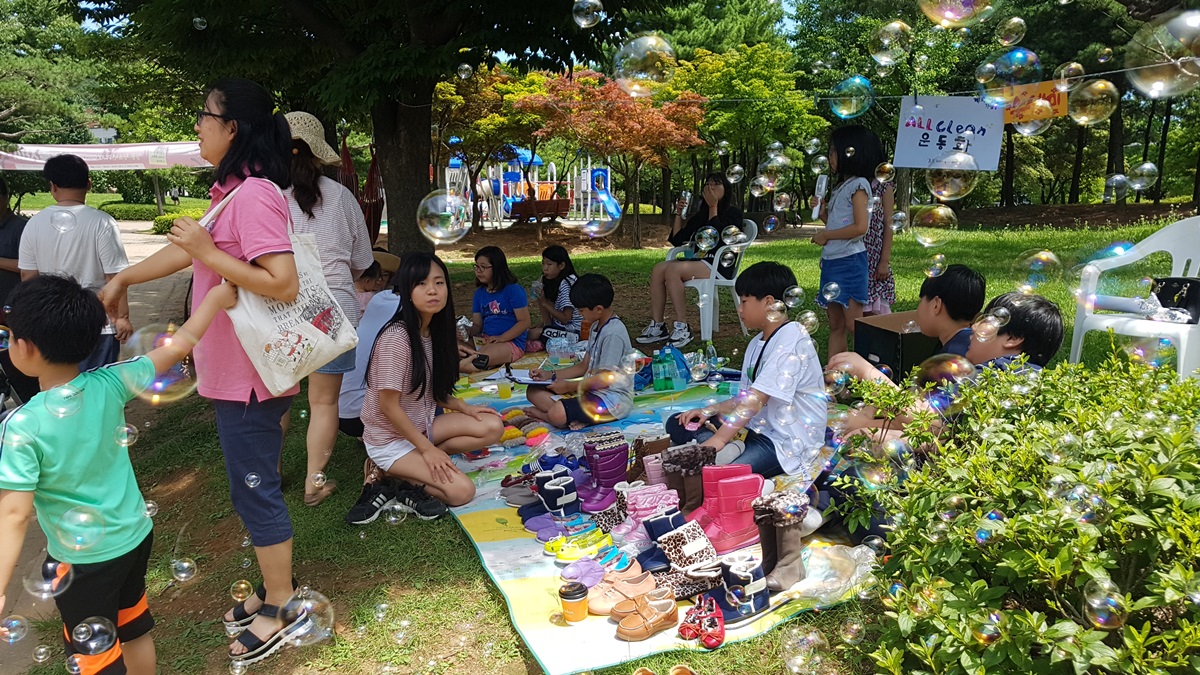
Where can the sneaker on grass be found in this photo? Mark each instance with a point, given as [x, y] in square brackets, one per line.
[655, 332]
[415, 500]
[374, 499]
[681, 336]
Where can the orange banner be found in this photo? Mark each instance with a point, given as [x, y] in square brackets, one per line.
[1022, 108]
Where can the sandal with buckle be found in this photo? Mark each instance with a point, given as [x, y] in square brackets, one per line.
[691, 628]
[243, 618]
[553, 546]
[587, 545]
[259, 649]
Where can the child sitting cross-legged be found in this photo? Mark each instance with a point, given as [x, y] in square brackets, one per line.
[608, 397]
[785, 424]
[76, 472]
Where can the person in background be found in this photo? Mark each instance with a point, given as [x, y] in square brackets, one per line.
[324, 207]
[559, 316]
[11, 227]
[70, 238]
[367, 285]
[881, 285]
[499, 313]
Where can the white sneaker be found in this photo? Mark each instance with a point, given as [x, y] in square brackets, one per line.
[681, 336]
[655, 332]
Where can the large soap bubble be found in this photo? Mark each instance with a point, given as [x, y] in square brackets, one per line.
[442, 217]
[761, 185]
[1036, 119]
[735, 173]
[80, 528]
[957, 13]
[1069, 76]
[930, 223]
[1143, 176]
[590, 387]
[939, 377]
[643, 64]
[93, 636]
[1011, 32]
[890, 43]
[852, 97]
[173, 385]
[1013, 68]
[954, 178]
[1093, 102]
[1161, 56]
[1035, 268]
[319, 611]
[588, 13]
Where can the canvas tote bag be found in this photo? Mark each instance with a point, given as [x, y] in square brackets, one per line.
[287, 341]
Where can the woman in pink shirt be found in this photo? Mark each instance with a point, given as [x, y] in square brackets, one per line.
[248, 245]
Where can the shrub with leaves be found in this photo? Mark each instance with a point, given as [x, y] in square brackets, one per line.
[1052, 525]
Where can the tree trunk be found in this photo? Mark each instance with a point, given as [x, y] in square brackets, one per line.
[403, 142]
[1077, 170]
[1116, 149]
[637, 206]
[1146, 137]
[667, 203]
[1162, 154]
[476, 212]
[903, 193]
[1007, 189]
[158, 195]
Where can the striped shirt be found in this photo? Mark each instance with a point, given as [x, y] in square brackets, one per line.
[342, 240]
[562, 302]
[391, 370]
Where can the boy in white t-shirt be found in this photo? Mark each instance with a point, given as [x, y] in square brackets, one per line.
[780, 404]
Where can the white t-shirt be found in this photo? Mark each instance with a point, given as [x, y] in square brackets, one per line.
[85, 247]
[382, 307]
[798, 432]
[342, 240]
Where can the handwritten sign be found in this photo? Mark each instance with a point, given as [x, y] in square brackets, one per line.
[944, 125]
[1022, 108]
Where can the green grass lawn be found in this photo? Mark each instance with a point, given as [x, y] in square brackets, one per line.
[428, 573]
[41, 200]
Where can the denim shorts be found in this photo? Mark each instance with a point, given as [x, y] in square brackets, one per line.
[850, 273]
[341, 364]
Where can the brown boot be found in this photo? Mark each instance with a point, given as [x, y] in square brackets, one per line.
[787, 515]
[683, 466]
[766, 531]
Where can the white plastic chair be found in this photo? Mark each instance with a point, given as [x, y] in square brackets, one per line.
[710, 315]
[1181, 241]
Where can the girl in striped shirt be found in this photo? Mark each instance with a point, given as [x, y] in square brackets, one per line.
[558, 314]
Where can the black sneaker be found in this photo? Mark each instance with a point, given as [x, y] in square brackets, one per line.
[415, 500]
[374, 498]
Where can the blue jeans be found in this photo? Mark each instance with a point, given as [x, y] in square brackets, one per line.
[759, 452]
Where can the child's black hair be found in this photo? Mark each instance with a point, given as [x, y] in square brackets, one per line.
[1033, 319]
[961, 289]
[559, 255]
[592, 290]
[66, 171]
[723, 202]
[56, 315]
[859, 162]
[764, 278]
[502, 277]
[373, 271]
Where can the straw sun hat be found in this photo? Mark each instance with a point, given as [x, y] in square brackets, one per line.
[307, 128]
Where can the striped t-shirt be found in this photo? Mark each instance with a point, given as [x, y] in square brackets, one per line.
[562, 302]
[391, 369]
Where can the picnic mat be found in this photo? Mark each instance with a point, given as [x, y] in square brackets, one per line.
[530, 580]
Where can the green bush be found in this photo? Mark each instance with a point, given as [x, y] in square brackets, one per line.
[123, 211]
[162, 224]
[1042, 483]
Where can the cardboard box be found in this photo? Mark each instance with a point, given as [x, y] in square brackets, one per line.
[881, 340]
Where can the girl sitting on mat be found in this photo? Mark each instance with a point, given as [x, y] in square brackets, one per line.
[410, 375]
[559, 316]
[499, 313]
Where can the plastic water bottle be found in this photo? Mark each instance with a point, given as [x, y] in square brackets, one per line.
[656, 368]
[710, 357]
[672, 379]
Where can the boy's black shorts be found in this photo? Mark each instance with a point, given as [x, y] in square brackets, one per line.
[114, 589]
[574, 408]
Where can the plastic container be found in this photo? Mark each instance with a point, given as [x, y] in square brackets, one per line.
[574, 601]
[559, 352]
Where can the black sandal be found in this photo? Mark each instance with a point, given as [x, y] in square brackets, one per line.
[258, 649]
[243, 618]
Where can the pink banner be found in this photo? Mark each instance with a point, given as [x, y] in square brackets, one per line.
[107, 157]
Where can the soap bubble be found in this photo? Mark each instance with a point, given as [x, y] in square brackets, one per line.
[587, 13]
[14, 628]
[150, 508]
[593, 406]
[253, 480]
[874, 204]
[1069, 76]
[1144, 175]
[42, 654]
[852, 632]
[985, 329]
[920, 63]
[318, 479]
[882, 70]
[935, 266]
[774, 148]
[851, 97]
[715, 380]
[731, 235]
[62, 221]
[808, 319]
[910, 327]
[956, 13]
[954, 178]
[240, 590]
[1011, 32]
[1161, 57]
[761, 185]
[819, 164]
[394, 514]
[930, 223]
[48, 578]
[601, 227]
[702, 301]
[938, 378]
[1035, 268]
[126, 435]
[1116, 186]
[1093, 102]
[722, 148]
[176, 383]
[770, 224]
[699, 372]
[735, 173]
[643, 64]
[885, 172]
[20, 428]
[831, 291]
[442, 217]
[1104, 604]
[199, 23]
[1104, 55]
[987, 630]
[899, 221]
[890, 43]
[80, 528]
[783, 201]
[812, 146]
[316, 607]
[1036, 119]
[631, 362]
[93, 636]
[705, 238]
[64, 400]
[793, 297]
[850, 151]
[776, 313]
[183, 570]
[1014, 68]
[465, 71]
[951, 508]
[985, 72]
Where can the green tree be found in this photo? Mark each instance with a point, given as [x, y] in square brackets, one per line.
[715, 25]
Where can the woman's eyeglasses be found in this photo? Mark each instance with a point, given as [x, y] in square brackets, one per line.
[204, 113]
[479, 267]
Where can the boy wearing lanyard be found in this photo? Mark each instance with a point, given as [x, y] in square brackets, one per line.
[779, 404]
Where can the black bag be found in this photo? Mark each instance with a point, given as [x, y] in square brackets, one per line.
[1179, 293]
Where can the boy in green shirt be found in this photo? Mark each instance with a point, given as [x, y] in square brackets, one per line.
[64, 453]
